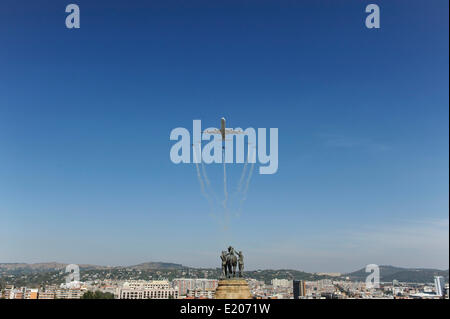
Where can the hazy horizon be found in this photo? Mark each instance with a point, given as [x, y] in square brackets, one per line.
[217, 266]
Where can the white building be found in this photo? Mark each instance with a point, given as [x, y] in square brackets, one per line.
[144, 284]
[281, 283]
[64, 293]
[154, 289]
[187, 285]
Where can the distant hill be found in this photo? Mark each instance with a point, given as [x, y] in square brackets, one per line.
[12, 268]
[268, 274]
[389, 273]
[156, 265]
[39, 267]
[31, 267]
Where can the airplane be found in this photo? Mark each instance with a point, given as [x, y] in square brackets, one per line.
[223, 130]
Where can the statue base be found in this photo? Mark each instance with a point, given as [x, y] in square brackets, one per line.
[233, 288]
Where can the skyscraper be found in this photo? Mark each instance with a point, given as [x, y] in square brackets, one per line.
[299, 289]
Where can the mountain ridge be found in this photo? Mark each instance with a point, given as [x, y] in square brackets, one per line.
[389, 273]
[387, 269]
[57, 265]
[150, 269]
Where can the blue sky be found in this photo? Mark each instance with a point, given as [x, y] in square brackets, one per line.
[85, 118]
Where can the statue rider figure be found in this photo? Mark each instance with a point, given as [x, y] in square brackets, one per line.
[223, 257]
[241, 263]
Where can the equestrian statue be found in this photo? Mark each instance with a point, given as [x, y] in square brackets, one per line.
[230, 261]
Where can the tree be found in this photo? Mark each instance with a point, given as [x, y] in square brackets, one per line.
[97, 295]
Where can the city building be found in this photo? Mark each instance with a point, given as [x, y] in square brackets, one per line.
[281, 283]
[31, 294]
[207, 293]
[18, 294]
[187, 285]
[144, 284]
[299, 289]
[69, 293]
[8, 292]
[155, 289]
[46, 295]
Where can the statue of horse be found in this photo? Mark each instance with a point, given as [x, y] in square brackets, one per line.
[231, 264]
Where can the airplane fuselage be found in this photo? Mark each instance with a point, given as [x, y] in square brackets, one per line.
[222, 128]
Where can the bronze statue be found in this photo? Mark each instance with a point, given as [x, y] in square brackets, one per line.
[241, 263]
[223, 257]
[230, 261]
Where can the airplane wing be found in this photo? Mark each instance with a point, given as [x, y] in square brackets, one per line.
[216, 131]
[229, 131]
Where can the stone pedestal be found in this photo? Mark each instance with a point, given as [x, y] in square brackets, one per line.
[233, 288]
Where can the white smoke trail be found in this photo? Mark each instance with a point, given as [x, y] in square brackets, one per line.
[202, 186]
[247, 185]
[248, 181]
[244, 193]
[225, 192]
[200, 180]
[241, 180]
[208, 184]
[241, 183]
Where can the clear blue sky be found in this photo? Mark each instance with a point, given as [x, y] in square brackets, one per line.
[363, 119]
